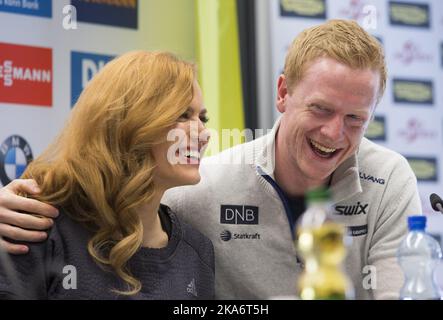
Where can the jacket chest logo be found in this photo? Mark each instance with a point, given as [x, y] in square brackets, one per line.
[238, 214]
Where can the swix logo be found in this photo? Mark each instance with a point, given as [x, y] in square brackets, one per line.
[410, 53]
[25, 75]
[415, 130]
[352, 209]
[368, 177]
[233, 214]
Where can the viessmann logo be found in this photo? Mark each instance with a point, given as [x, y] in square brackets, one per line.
[303, 8]
[25, 75]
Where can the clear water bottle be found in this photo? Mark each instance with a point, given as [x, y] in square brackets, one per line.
[418, 255]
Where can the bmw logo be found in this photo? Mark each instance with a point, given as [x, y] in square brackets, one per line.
[226, 235]
[15, 155]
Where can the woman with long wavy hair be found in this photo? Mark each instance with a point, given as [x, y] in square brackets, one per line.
[106, 173]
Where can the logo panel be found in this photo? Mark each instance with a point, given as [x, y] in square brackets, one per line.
[111, 13]
[15, 155]
[376, 130]
[412, 52]
[413, 91]
[415, 130]
[355, 231]
[409, 14]
[41, 8]
[83, 67]
[425, 168]
[303, 8]
[235, 214]
[25, 75]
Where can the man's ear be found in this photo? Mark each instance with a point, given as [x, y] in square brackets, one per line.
[282, 92]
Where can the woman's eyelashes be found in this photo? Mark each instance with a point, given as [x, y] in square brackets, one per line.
[204, 118]
[186, 116]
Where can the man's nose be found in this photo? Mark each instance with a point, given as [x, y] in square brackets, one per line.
[334, 128]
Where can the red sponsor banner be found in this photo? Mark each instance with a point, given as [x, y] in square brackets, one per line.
[25, 75]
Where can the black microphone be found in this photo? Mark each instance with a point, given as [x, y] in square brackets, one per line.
[436, 202]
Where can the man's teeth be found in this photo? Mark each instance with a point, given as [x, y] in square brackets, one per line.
[322, 148]
[192, 154]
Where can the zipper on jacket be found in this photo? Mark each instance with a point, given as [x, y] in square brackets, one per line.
[282, 198]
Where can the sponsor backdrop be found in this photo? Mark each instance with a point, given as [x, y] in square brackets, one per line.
[409, 118]
[49, 50]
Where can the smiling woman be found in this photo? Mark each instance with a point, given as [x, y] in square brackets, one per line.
[106, 173]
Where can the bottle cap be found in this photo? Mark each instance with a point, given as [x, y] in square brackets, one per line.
[320, 194]
[417, 222]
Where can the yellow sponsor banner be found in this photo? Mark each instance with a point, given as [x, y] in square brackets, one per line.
[409, 14]
[376, 129]
[425, 169]
[219, 67]
[303, 8]
[410, 91]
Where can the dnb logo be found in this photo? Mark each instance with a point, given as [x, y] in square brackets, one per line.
[83, 67]
[15, 155]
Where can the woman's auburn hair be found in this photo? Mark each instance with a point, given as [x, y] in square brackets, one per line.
[100, 168]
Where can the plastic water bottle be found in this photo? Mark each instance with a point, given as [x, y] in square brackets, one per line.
[320, 243]
[418, 255]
